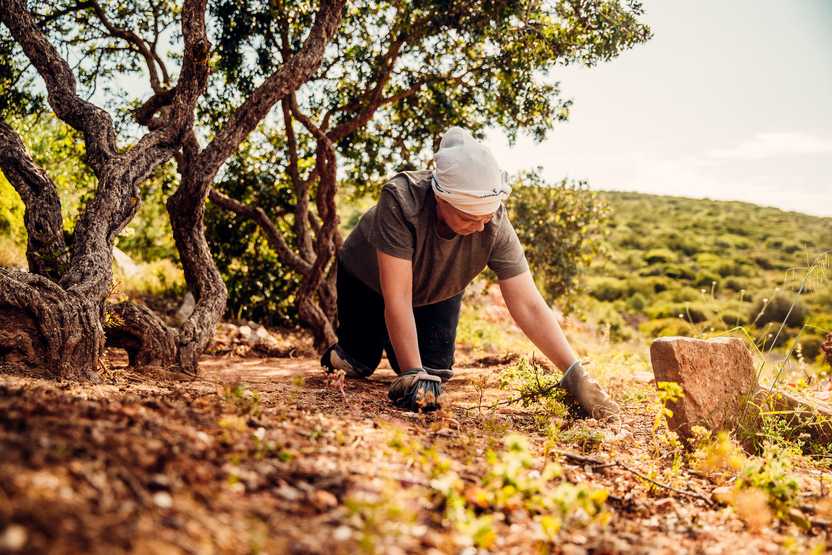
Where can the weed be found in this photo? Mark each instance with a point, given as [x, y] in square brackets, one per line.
[245, 401]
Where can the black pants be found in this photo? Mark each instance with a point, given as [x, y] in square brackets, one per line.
[362, 331]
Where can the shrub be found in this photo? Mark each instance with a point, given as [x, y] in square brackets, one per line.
[763, 262]
[560, 228]
[683, 295]
[732, 318]
[772, 337]
[659, 256]
[735, 284]
[707, 280]
[606, 289]
[810, 346]
[666, 327]
[779, 309]
[637, 302]
[726, 269]
[693, 313]
[679, 271]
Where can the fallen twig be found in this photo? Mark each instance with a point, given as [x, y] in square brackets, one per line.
[597, 463]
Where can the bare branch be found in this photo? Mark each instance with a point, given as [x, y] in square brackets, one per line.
[272, 233]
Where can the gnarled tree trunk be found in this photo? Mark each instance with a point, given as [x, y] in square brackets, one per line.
[59, 324]
[197, 168]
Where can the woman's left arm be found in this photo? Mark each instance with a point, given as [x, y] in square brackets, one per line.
[536, 319]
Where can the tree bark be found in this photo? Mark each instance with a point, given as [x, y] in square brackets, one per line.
[46, 249]
[68, 315]
[43, 325]
[146, 338]
[827, 348]
[197, 168]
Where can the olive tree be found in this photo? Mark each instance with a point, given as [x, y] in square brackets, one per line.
[54, 315]
[395, 76]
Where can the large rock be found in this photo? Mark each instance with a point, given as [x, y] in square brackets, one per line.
[721, 390]
[717, 377]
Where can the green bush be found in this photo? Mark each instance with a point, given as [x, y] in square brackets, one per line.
[659, 256]
[810, 345]
[560, 227]
[666, 327]
[693, 313]
[683, 295]
[735, 284]
[778, 309]
[732, 318]
[637, 302]
[726, 269]
[707, 280]
[606, 289]
[679, 271]
[772, 337]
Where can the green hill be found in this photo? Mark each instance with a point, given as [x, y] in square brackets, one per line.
[679, 266]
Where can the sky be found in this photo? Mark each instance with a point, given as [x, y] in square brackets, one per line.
[728, 100]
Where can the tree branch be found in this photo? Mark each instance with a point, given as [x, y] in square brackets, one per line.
[46, 251]
[296, 70]
[272, 233]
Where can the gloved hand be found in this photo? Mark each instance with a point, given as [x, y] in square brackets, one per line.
[443, 374]
[589, 394]
[416, 390]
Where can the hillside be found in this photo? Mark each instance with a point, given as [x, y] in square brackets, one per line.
[678, 266]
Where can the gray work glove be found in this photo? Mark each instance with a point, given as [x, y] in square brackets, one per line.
[443, 374]
[587, 393]
[416, 390]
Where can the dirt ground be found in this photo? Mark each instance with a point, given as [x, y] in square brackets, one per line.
[262, 455]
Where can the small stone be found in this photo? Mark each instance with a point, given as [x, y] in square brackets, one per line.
[324, 500]
[163, 500]
[245, 332]
[722, 494]
[289, 493]
[642, 377]
[342, 533]
[13, 538]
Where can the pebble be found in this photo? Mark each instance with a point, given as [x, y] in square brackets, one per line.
[13, 538]
[163, 500]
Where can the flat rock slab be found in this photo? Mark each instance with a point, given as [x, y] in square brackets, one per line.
[716, 375]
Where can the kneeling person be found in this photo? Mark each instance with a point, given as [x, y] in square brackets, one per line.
[402, 271]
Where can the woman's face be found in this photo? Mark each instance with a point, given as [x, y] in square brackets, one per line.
[460, 222]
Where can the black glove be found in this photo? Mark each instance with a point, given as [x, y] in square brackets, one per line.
[416, 390]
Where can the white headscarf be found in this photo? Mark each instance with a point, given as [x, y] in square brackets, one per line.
[467, 175]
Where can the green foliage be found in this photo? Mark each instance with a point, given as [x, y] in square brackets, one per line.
[59, 151]
[779, 309]
[809, 346]
[567, 215]
[536, 389]
[260, 286]
[709, 261]
[606, 289]
[658, 256]
[667, 327]
[445, 64]
[513, 483]
[693, 313]
[772, 474]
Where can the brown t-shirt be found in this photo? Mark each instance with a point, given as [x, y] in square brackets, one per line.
[404, 224]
